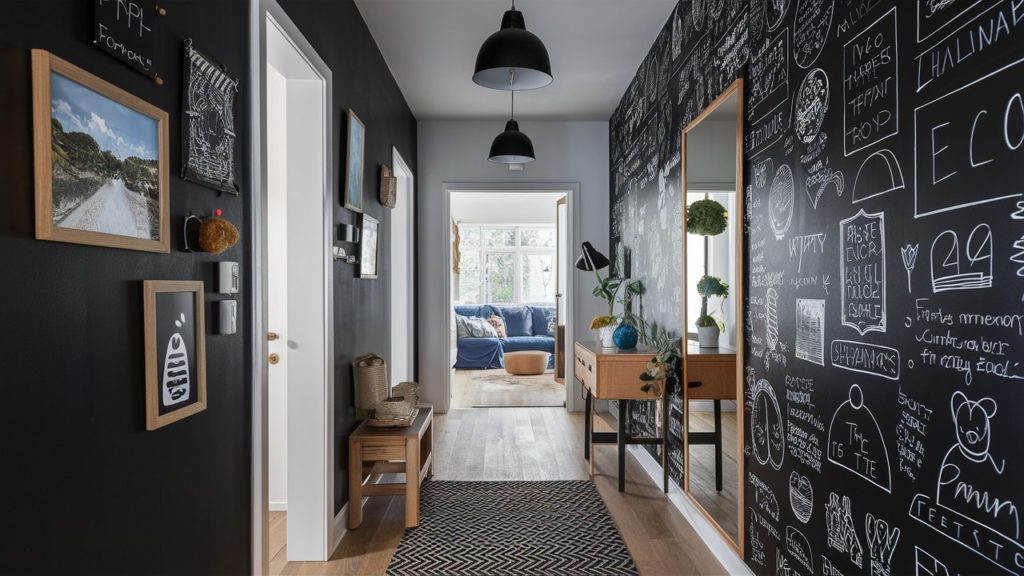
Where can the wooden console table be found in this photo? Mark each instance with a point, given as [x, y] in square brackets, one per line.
[711, 375]
[390, 450]
[611, 374]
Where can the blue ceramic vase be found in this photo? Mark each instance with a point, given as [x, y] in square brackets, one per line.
[625, 337]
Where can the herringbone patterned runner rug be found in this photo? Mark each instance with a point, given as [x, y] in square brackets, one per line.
[512, 529]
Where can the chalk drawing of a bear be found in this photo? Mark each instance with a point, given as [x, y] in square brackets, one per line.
[968, 471]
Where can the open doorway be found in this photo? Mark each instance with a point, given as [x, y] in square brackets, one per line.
[507, 279]
[293, 297]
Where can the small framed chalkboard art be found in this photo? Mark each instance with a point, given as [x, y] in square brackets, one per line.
[175, 351]
[132, 32]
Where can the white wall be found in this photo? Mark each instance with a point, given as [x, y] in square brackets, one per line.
[504, 207]
[456, 152]
[277, 287]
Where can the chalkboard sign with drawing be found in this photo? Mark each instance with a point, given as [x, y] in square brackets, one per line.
[175, 351]
[131, 32]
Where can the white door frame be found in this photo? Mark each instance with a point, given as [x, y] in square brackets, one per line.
[261, 12]
[403, 330]
[573, 401]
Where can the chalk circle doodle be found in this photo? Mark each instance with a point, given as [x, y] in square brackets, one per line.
[777, 10]
[771, 318]
[811, 25]
[811, 105]
[855, 441]
[882, 540]
[766, 429]
[986, 522]
[780, 201]
[801, 496]
[862, 272]
[948, 269]
[880, 173]
[799, 548]
[840, 531]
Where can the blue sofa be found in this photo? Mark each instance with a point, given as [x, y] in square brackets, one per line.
[527, 328]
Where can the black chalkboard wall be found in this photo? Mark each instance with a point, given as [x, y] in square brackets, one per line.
[885, 257]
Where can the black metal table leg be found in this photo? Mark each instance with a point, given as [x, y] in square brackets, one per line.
[718, 445]
[623, 405]
[664, 441]
[588, 424]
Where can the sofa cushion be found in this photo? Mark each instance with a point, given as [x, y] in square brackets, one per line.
[473, 310]
[499, 325]
[518, 321]
[542, 316]
[522, 343]
[470, 327]
[480, 354]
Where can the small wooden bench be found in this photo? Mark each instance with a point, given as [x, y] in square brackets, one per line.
[374, 451]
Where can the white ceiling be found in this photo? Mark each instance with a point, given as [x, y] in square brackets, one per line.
[595, 47]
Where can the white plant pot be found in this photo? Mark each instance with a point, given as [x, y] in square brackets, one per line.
[607, 334]
[707, 336]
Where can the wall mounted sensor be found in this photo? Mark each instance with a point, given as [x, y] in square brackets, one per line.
[227, 277]
[227, 316]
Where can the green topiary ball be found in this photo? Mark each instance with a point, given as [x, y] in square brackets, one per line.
[706, 218]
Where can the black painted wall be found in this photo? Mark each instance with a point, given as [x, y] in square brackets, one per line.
[362, 83]
[700, 50]
[883, 255]
[87, 490]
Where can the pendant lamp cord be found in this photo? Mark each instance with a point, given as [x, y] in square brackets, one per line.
[511, 81]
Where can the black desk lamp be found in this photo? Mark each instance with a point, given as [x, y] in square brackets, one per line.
[591, 260]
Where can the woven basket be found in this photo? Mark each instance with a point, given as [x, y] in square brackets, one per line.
[370, 375]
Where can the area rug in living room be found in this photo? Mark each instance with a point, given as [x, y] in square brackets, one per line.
[497, 388]
[512, 529]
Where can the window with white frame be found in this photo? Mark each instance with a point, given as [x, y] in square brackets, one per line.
[506, 264]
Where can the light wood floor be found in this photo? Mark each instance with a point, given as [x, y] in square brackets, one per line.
[505, 390]
[722, 506]
[520, 444]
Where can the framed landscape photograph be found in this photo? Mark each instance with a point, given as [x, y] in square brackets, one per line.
[101, 168]
[354, 163]
[175, 343]
[368, 247]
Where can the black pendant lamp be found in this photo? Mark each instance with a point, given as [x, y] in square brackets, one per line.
[513, 52]
[512, 146]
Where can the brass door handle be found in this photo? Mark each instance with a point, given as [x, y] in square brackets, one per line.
[271, 336]
[274, 358]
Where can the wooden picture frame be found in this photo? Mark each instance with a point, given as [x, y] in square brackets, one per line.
[95, 180]
[354, 156]
[369, 235]
[175, 343]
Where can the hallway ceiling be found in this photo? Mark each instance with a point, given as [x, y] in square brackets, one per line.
[595, 48]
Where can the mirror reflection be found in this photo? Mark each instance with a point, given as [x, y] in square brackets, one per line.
[711, 278]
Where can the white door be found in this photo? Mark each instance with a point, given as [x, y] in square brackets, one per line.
[402, 259]
[298, 285]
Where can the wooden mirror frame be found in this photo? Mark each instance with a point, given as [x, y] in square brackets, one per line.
[737, 89]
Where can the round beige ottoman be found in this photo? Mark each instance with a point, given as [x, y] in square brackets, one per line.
[526, 363]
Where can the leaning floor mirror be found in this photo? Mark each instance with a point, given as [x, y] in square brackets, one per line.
[712, 186]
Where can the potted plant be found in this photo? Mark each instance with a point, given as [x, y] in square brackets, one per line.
[607, 289]
[706, 218]
[626, 335]
[667, 352]
[709, 327]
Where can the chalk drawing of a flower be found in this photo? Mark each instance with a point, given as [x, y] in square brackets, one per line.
[909, 253]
